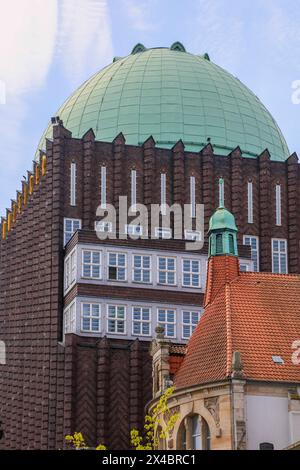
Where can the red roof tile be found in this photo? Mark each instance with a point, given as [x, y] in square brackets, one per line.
[257, 314]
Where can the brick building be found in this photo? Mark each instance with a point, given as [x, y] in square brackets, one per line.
[77, 314]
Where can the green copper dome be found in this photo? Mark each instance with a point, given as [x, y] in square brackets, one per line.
[171, 95]
[222, 219]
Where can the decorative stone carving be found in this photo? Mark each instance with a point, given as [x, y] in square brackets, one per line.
[240, 435]
[212, 404]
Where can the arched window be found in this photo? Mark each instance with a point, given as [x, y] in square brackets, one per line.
[219, 243]
[193, 434]
[231, 244]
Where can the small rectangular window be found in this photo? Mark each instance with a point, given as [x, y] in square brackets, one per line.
[167, 319]
[163, 233]
[91, 264]
[193, 196]
[70, 270]
[131, 229]
[70, 227]
[166, 270]
[163, 193]
[73, 184]
[90, 317]
[191, 273]
[190, 320]
[141, 268]
[253, 242]
[70, 319]
[250, 202]
[116, 317]
[244, 267]
[133, 191]
[103, 226]
[278, 204]
[103, 187]
[117, 266]
[192, 235]
[279, 256]
[141, 321]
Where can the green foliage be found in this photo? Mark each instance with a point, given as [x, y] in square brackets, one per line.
[77, 441]
[153, 421]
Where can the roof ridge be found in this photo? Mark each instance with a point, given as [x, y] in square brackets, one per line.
[261, 274]
[228, 329]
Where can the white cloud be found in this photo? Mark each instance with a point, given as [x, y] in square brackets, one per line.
[27, 38]
[84, 37]
[219, 32]
[139, 12]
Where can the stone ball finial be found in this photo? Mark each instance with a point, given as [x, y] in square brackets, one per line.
[159, 330]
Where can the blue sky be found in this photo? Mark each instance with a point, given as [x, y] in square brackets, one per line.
[51, 46]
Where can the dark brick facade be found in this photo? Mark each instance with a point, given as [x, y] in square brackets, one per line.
[100, 386]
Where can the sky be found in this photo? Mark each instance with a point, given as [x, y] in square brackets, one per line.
[49, 47]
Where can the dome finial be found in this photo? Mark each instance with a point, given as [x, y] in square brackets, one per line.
[177, 46]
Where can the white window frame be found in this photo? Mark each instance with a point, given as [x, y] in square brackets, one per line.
[125, 267]
[115, 319]
[69, 219]
[279, 252]
[70, 270]
[141, 321]
[142, 269]
[165, 233]
[133, 190]
[192, 235]
[163, 193]
[166, 322]
[90, 317]
[191, 260]
[73, 174]
[257, 248]
[103, 226]
[246, 266]
[193, 196]
[250, 202]
[70, 318]
[91, 264]
[103, 187]
[167, 270]
[191, 325]
[278, 204]
[133, 229]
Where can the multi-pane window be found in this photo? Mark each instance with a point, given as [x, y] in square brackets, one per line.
[103, 187]
[250, 202]
[133, 190]
[193, 196]
[103, 226]
[141, 268]
[70, 270]
[192, 235]
[90, 317]
[166, 270]
[163, 232]
[116, 317]
[117, 266]
[70, 227]
[278, 204]
[91, 264]
[167, 319]
[279, 256]
[253, 242]
[70, 319]
[141, 321]
[189, 323]
[132, 229]
[163, 193]
[191, 273]
[73, 184]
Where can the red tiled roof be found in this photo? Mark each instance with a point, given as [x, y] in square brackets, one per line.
[257, 314]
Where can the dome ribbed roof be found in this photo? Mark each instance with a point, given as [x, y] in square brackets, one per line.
[171, 95]
[222, 219]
